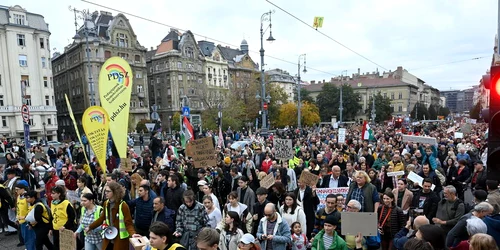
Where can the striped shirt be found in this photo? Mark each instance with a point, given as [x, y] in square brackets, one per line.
[327, 241]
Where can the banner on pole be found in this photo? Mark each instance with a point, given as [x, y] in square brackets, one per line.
[95, 122]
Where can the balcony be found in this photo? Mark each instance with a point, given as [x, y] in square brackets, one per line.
[11, 109]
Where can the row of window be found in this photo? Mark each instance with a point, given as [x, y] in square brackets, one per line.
[400, 96]
[165, 65]
[21, 41]
[25, 80]
[23, 61]
[133, 104]
[27, 100]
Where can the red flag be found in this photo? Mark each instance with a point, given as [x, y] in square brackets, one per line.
[188, 128]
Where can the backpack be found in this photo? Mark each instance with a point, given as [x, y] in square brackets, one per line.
[49, 212]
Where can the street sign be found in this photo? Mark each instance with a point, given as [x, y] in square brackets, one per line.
[155, 116]
[25, 112]
[150, 126]
[185, 111]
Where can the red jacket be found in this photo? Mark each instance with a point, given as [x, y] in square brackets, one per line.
[70, 182]
[48, 188]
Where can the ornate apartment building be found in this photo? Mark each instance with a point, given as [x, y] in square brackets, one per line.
[108, 36]
[216, 74]
[284, 80]
[25, 61]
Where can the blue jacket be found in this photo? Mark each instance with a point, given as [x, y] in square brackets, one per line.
[143, 214]
[166, 215]
[493, 223]
[281, 235]
[430, 158]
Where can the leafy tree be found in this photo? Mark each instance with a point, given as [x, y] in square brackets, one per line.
[305, 95]
[288, 115]
[475, 111]
[141, 126]
[278, 98]
[433, 112]
[444, 111]
[350, 103]
[383, 110]
[328, 102]
[176, 121]
[419, 112]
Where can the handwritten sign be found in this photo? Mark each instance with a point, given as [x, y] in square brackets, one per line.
[66, 240]
[341, 138]
[72, 196]
[125, 165]
[397, 173]
[450, 130]
[284, 149]
[203, 152]
[420, 139]
[267, 181]
[308, 178]
[323, 192]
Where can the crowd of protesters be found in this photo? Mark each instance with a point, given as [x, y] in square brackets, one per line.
[180, 205]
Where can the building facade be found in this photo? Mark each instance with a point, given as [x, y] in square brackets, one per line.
[454, 100]
[108, 36]
[284, 80]
[175, 72]
[25, 60]
[216, 74]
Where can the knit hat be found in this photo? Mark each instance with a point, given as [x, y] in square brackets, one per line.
[330, 219]
[227, 160]
[480, 195]
[60, 183]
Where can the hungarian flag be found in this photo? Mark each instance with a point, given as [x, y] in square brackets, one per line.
[220, 140]
[187, 133]
[367, 132]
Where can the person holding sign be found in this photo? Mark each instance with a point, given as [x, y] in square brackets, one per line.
[63, 213]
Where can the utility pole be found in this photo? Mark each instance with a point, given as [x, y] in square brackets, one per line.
[299, 104]
[341, 106]
[266, 17]
[374, 114]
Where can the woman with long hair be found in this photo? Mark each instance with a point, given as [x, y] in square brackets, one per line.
[221, 187]
[391, 219]
[461, 176]
[63, 214]
[135, 182]
[231, 234]
[482, 242]
[89, 213]
[277, 196]
[403, 196]
[214, 214]
[292, 212]
[375, 179]
[116, 213]
[240, 208]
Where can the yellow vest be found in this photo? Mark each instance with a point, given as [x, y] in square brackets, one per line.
[59, 215]
[172, 247]
[22, 209]
[45, 213]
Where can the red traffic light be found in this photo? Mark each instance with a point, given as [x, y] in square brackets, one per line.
[265, 106]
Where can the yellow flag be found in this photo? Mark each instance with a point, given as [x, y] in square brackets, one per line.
[70, 110]
[115, 88]
[318, 22]
[95, 123]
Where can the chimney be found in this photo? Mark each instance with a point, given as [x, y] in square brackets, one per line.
[151, 48]
[313, 82]
[359, 71]
[323, 80]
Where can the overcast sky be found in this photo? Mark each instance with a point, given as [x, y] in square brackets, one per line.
[418, 35]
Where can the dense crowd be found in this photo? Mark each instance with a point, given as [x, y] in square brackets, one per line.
[178, 205]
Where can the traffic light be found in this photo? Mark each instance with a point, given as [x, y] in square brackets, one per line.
[493, 162]
[265, 105]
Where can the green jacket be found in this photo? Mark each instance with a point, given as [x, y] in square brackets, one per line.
[338, 243]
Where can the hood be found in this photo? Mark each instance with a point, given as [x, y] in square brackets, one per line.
[493, 221]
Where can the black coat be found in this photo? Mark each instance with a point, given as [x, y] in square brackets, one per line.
[310, 205]
[430, 204]
[173, 197]
[342, 181]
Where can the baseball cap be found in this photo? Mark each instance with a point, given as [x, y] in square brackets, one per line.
[22, 184]
[202, 183]
[247, 239]
[202, 171]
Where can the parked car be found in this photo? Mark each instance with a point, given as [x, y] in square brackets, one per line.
[54, 143]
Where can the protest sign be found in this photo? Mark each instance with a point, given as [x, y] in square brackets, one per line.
[284, 149]
[450, 130]
[267, 181]
[459, 135]
[341, 138]
[308, 178]
[471, 121]
[397, 173]
[66, 240]
[354, 223]
[323, 192]
[420, 139]
[203, 152]
[72, 196]
[126, 165]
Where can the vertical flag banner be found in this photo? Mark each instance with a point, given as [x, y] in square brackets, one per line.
[70, 110]
[115, 88]
[318, 22]
[95, 123]
[367, 132]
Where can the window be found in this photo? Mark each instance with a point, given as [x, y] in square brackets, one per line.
[107, 54]
[1, 100]
[181, 91]
[400, 108]
[137, 58]
[21, 40]
[4, 121]
[169, 92]
[23, 61]
[47, 100]
[49, 121]
[48, 47]
[385, 95]
[44, 62]
[28, 100]
[392, 96]
[123, 55]
[42, 43]
[26, 80]
[392, 108]
[179, 65]
[31, 122]
[139, 88]
[19, 19]
[157, 80]
[0, 80]
[45, 82]
[121, 40]
[180, 77]
[400, 95]
[141, 104]
[138, 74]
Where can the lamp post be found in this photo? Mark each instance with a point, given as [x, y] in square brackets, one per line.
[299, 103]
[87, 19]
[341, 105]
[44, 134]
[373, 108]
[266, 17]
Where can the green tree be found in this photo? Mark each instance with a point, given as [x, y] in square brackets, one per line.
[419, 112]
[176, 121]
[433, 112]
[141, 126]
[329, 99]
[475, 111]
[278, 98]
[444, 111]
[305, 95]
[383, 110]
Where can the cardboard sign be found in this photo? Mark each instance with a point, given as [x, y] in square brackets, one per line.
[39, 156]
[420, 139]
[72, 196]
[284, 149]
[450, 130]
[125, 165]
[66, 240]
[138, 243]
[354, 223]
[267, 181]
[203, 152]
[459, 135]
[341, 138]
[308, 178]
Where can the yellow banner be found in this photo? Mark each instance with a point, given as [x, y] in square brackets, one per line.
[115, 88]
[70, 110]
[318, 22]
[95, 123]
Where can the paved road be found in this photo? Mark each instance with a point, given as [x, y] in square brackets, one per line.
[9, 242]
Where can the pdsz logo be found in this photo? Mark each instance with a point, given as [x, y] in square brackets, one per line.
[118, 73]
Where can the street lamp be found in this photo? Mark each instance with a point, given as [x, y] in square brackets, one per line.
[170, 124]
[266, 17]
[299, 104]
[87, 20]
[341, 106]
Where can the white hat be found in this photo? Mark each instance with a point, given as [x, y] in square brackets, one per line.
[202, 183]
[247, 239]
[60, 183]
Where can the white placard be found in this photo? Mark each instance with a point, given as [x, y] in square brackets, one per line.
[397, 173]
[459, 135]
[336, 125]
[420, 139]
[341, 138]
[412, 176]
[471, 121]
[284, 149]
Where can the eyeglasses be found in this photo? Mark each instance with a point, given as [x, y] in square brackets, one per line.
[107, 191]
